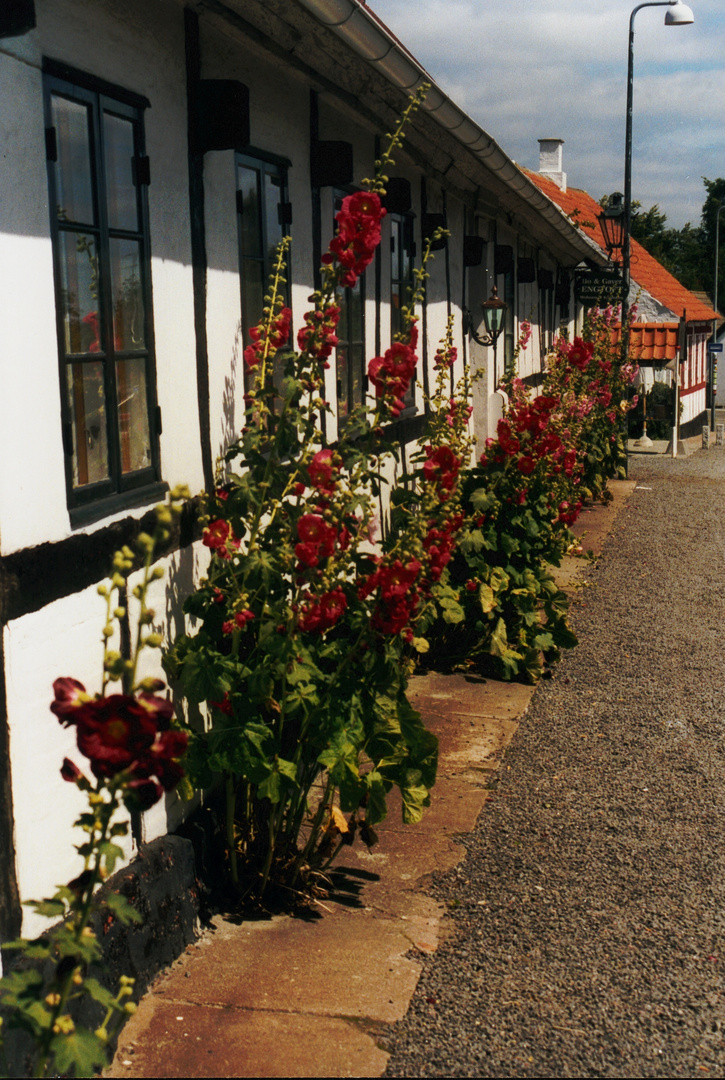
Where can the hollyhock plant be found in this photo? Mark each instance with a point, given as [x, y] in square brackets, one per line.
[134, 756]
[299, 652]
[551, 452]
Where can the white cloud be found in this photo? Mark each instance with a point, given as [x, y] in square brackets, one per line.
[536, 68]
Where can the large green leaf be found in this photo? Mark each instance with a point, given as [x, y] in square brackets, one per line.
[81, 1053]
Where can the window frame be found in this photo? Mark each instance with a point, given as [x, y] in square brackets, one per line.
[95, 499]
[344, 337]
[265, 163]
[405, 222]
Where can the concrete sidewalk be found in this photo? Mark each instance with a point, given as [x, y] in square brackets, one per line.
[293, 996]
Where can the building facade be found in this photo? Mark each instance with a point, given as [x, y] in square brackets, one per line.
[154, 155]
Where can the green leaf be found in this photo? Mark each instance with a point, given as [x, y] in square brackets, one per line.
[421, 644]
[122, 909]
[415, 797]
[104, 997]
[81, 1052]
[487, 598]
[376, 809]
[51, 909]
[499, 640]
[288, 769]
[481, 499]
[110, 853]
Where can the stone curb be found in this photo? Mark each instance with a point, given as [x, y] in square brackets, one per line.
[310, 996]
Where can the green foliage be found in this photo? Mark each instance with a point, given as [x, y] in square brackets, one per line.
[41, 992]
[302, 629]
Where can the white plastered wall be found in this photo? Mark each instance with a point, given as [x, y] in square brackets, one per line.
[33, 505]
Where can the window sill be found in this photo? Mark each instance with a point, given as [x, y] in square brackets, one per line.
[126, 500]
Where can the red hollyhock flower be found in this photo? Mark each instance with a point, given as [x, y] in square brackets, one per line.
[322, 470]
[391, 374]
[321, 613]
[113, 732]
[580, 353]
[508, 443]
[442, 468]
[220, 538]
[358, 235]
[69, 696]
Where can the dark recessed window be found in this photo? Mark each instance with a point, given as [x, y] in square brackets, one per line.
[350, 351]
[99, 224]
[402, 280]
[264, 218]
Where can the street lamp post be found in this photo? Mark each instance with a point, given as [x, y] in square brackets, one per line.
[678, 15]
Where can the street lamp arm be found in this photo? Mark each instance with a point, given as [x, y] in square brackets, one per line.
[679, 15]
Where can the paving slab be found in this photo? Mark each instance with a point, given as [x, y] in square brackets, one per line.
[240, 1043]
[306, 996]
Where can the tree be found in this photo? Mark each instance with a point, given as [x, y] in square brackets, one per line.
[688, 253]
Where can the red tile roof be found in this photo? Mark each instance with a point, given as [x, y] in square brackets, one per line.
[646, 271]
[651, 342]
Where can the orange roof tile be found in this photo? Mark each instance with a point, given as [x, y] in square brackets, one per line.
[651, 342]
[646, 271]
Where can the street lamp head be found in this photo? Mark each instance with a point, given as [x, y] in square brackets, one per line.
[613, 224]
[679, 14]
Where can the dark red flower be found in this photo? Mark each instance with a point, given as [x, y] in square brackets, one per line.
[321, 613]
[69, 696]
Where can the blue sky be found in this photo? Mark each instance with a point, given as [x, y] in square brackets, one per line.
[530, 69]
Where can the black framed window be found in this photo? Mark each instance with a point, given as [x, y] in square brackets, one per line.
[98, 172]
[402, 281]
[350, 351]
[264, 217]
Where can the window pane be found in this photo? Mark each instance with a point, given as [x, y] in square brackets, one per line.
[121, 190]
[133, 415]
[272, 200]
[71, 121]
[342, 383]
[87, 399]
[127, 294]
[79, 292]
[357, 359]
[253, 287]
[251, 230]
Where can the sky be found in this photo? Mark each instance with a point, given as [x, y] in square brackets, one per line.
[531, 69]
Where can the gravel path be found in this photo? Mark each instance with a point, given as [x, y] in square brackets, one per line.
[587, 919]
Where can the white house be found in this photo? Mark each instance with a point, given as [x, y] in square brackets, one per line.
[152, 156]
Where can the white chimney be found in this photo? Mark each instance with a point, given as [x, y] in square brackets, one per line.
[551, 160]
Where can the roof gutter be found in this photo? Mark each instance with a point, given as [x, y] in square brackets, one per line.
[359, 28]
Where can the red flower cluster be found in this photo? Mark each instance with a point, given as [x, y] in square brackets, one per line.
[321, 613]
[579, 352]
[316, 539]
[318, 336]
[391, 374]
[220, 538]
[240, 620]
[322, 470]
[439, 545]
[398, 598]
[567, 513]
[278, 336]
[358, 235]
[125, 734]
[441, 469]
